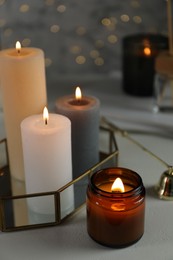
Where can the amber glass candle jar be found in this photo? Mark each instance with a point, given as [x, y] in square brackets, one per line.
[115, 218]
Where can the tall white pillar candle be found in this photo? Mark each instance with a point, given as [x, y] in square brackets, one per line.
[47, 158]
[84, 115]
[22, 76]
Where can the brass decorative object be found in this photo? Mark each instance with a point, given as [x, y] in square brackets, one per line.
[164, 187]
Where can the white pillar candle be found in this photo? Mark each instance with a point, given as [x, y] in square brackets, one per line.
[47, 159]
[22, 76]
[84, 115]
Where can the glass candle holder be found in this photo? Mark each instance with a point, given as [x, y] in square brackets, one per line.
[139, 53]
[115, 219]
[163, 83]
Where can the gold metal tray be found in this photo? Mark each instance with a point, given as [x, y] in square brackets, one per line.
[15, 212]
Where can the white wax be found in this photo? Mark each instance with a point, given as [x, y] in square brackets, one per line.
[23, 85]
[47, 158]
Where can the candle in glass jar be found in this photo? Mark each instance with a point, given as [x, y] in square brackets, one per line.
[139, 53]
[84, 115]
[23, 84]
[115, 216]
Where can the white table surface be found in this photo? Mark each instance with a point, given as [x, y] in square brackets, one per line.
[70, 239]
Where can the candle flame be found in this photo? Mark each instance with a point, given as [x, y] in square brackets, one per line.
[117, 186]
[18, 46]
[78, 94]
[45, 115]
[147, 51]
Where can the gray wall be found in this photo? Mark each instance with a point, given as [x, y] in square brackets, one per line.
[72, 29]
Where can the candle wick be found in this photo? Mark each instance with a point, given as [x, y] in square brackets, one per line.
[45, 121]
[18, 51]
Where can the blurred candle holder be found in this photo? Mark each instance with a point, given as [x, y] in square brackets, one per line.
[139, 53]
[163, 83]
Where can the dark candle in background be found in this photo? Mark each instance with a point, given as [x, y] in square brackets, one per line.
[84, 115]
[139, 53]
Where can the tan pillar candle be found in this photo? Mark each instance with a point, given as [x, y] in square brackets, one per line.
[22, 75]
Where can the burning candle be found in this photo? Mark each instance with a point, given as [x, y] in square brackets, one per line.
[115, 207]
[22, 73]
[84, 115]
[139, 53]
[46, 141]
